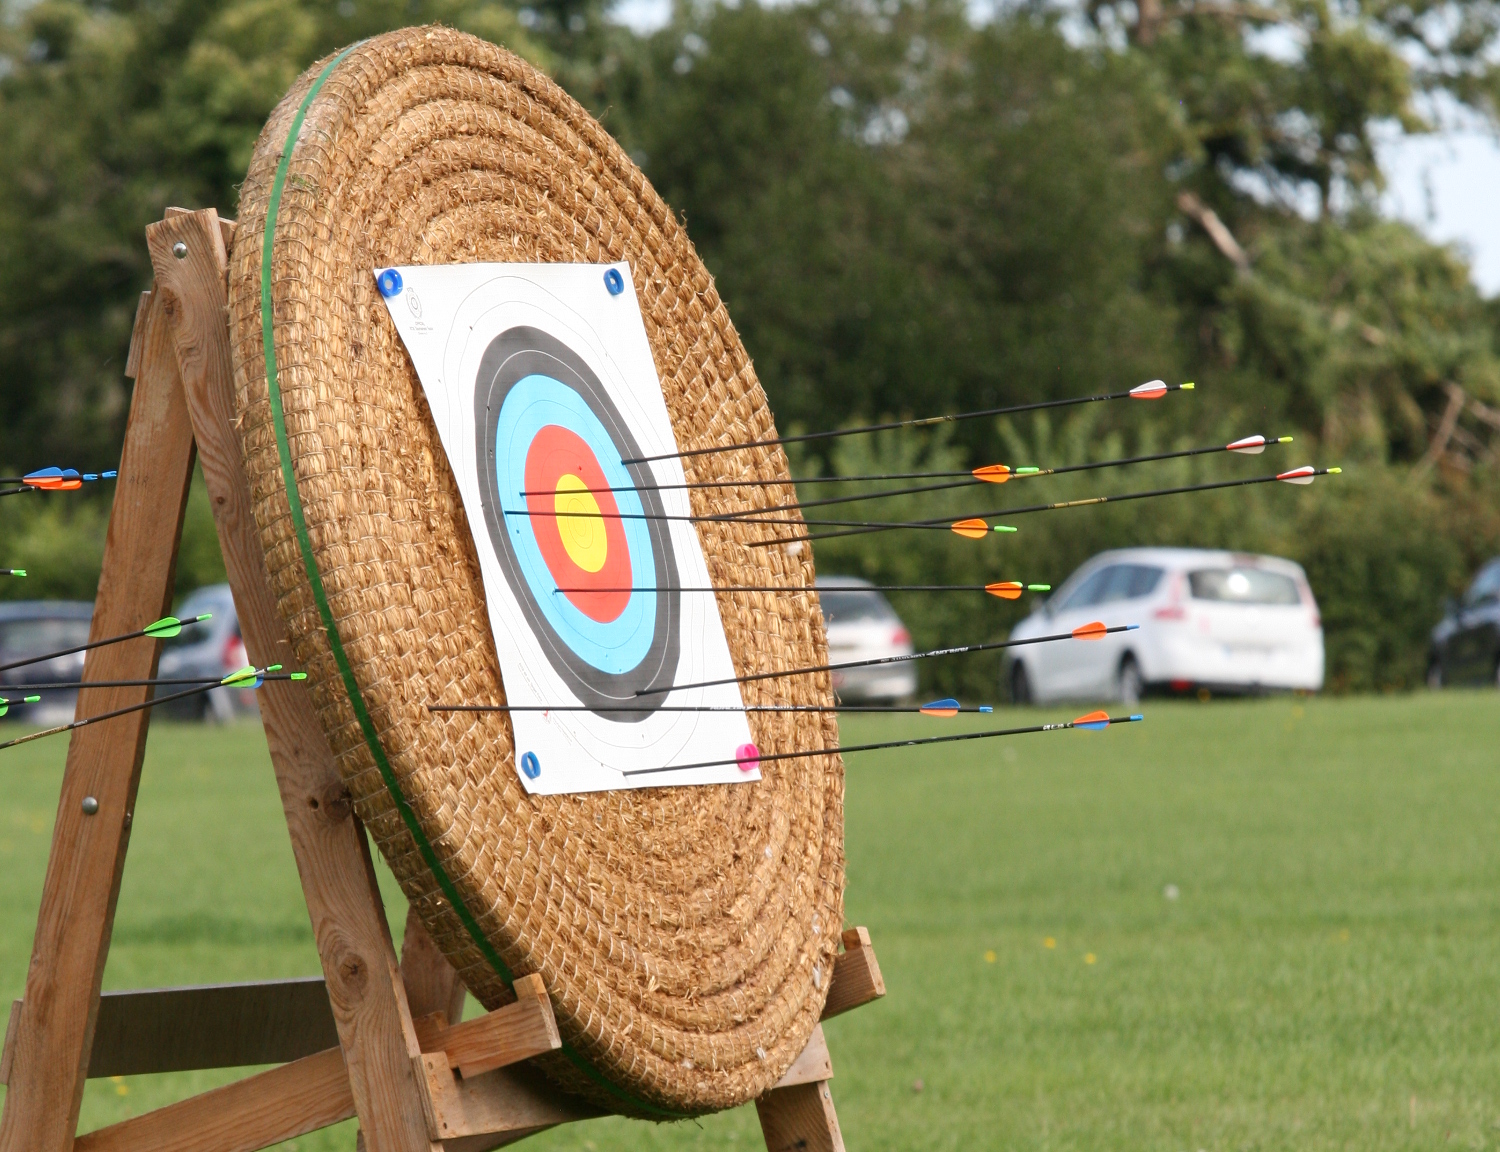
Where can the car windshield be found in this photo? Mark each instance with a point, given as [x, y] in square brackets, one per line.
[23, 638]
[1486, 586]
[1243, 586]
[852, 605]
[1115, 582]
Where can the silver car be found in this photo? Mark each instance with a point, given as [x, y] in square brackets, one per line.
[31, 628]
[211, 649]
[861, 625]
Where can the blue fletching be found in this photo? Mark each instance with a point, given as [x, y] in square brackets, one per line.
[70, 473]
[45, 474]
[1094, 726]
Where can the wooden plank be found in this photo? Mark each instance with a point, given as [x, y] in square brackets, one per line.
[55, 1031]
[10, 1040]
[249, 1114]
[800, 1119]
[338, 879]
[432, 984]
[137, 337]
[227, 227]
[515, 1101]
[507, 1035]
[813, 1065]
[856, 975]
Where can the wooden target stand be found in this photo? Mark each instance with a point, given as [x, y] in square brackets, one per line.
[375, 1037]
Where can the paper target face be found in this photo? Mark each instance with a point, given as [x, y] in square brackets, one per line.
[590, 575]
[541, 383]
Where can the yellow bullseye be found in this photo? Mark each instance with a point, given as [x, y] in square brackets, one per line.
[582, 530]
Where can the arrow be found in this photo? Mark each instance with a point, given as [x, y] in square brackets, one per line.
[752, 758]
[272, 672]
[5, 704]
[1005, 589]
[988, 474]
[1094, 631]
[1003, 473]
[165, 628]
[944, 708]
[248, 677]
[12, 571]
[1153, 390]
[976, 528]
[53, 480]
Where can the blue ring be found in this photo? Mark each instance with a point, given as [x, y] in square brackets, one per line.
[530, 765]
[615, 647]
[389, 283]
[614, 281]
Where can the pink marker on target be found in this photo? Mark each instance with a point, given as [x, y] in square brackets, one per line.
[748, 756]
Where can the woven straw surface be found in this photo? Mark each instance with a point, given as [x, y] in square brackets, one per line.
[686, 935]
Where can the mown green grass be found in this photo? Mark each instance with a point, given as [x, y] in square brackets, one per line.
[1328, 977]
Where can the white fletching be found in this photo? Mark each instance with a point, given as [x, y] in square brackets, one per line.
[1304, 475]
[1249, 446]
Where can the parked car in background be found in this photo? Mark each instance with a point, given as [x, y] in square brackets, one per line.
[862, 625]
[1466, 642]
[212, 648]
[1222, 621]
[32, 628]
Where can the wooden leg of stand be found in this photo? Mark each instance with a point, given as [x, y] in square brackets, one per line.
[432, 984]
[800, 1119]
[359, 961]
[55, 1031]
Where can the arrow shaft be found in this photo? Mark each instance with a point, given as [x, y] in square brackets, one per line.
[986, 735]
[208, 681]
[921, 422]
[797, 588]
[901, 708]
[104, 716]
[875, 661]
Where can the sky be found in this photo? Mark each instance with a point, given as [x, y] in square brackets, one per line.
[1447, 184]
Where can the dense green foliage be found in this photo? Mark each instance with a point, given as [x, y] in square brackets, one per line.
[1325, 980]
[907, 211]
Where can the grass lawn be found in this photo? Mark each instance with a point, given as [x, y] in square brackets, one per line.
[1327, 975]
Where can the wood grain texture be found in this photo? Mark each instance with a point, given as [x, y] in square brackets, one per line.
[514, 1101]
[856, 975]
[813, 1065]
[507, 1035]
[137, 337]
[338, 880]
[249, 1114]
[55, 1031]
[432, 984]
[800, 1119]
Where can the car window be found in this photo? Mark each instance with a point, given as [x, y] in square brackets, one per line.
[23, 638]
[1091, 591]
[1243, 586]
[851, 605]
[191, 633]
[1486, 585]
[1130, 582]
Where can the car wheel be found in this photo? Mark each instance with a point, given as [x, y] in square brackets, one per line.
[1132, 685]
[1020, 684]
[1435, 674]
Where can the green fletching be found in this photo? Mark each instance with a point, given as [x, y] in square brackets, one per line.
[299, 675]
[244, 678]
[164, 629]
[4, 707]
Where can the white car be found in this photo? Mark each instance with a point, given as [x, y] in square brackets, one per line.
[861, 625]
[1222, 621]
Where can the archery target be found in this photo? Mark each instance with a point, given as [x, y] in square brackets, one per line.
[541, 385]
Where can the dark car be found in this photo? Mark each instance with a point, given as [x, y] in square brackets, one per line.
[211, 649]
[31, 628]
[1466, 644]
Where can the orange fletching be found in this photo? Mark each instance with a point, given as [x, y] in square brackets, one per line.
[993, 473]
[1093, 720]
[53, 484]
[973, 529]
[1094, 631]
[1005, 589]
[1154, 390]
